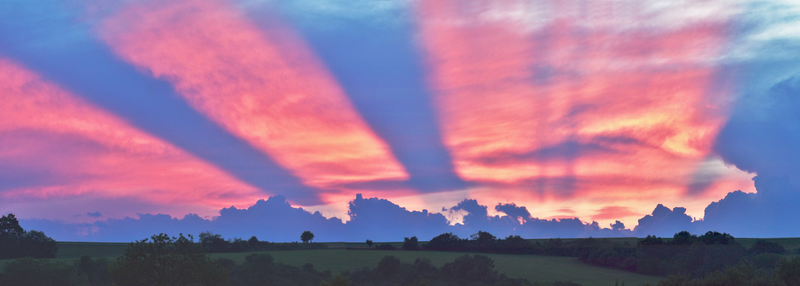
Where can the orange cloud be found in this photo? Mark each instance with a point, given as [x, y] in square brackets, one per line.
[266, 87]
[567, 100]
[81, 150]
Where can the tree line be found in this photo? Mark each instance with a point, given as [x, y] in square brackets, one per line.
[15, 242]
[687, 259]
[215, 243]
[165, 260]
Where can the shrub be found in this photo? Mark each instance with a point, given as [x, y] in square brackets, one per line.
[166, 260]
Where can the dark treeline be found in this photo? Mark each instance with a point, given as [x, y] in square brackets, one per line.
[215, 243]
[164, 260]
[692, 256]
[686, 259]
[15, 242]
[600, 252]
[464, 270]
[778, 271]
[685, 254]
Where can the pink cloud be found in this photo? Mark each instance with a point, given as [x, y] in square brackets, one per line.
[77, 149]
[571, 101]
[266, 87]
[614, 212]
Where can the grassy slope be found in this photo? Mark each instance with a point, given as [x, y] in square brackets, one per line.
[531, 267]
[790, 243]
[93, 249]
[534, 268]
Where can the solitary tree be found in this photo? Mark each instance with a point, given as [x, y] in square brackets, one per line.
[307, 236]
[369, 243]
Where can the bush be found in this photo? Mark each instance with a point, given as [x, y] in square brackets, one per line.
[29, 271]
[15, 242]
[96, 271]
[446, 242]
[261, 269]
[477, 268]
[788, 271]
[37, 245]
[166, 261]
[410, 243]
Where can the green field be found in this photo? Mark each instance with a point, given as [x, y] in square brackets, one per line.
[532, 267]
[93, 249]
[790, 243]
[336, 259]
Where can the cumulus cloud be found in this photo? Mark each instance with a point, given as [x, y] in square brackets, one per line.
[273, 219]
[382, 220]
[512, 210]
[618, 226]
[371, 218]
[518, 221]
[772, 212]
[763, 134]
[664, 222]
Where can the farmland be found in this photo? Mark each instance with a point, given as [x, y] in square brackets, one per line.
[341, 256]
[535, 268]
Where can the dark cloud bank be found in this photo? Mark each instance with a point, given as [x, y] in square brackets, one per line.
[370, 218]
[741, 214]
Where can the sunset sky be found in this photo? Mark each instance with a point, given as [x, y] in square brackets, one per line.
[116, 112]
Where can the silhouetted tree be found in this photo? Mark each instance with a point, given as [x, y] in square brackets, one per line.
[10, 236]
[410, 243]
[96, 271]
[15, 242]
[684, 238]
[369, 243]
[514, 244]
[164, 260]
[388, 266]
[477, 268]
[9, 226]
[254, 242]
[213, 242]
[307, 236]
[446, 242]
[37, 245]
[713, 237]
[484, 241]
[651, 240]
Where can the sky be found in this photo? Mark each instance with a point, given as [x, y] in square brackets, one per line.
[364, 119]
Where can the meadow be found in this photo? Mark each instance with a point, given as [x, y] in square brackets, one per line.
[337, 259]
[535, 268]
[352, 256]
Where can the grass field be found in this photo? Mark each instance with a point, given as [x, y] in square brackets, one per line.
[93, 249]
[532, 267]
[790, 243]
